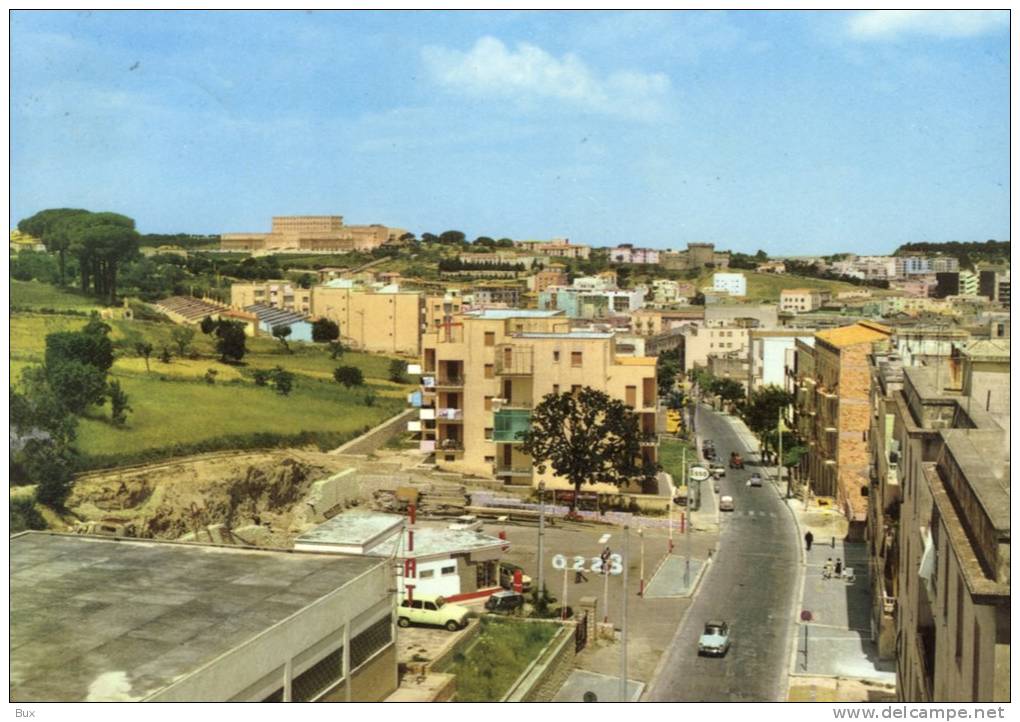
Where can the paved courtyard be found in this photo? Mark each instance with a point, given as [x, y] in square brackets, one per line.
[605, 687]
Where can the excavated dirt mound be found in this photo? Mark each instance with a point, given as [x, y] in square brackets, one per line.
[167, 501]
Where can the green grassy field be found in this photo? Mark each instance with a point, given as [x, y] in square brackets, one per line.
[767, 286]
[32, 294]
[175, 410]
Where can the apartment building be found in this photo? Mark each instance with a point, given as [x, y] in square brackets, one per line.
[952, 529]
[556, 248]
[802, 300]
[627, 253]
[312, 233]
[383, 321]
[666, 292]
[734, 284]
[486, 370]
[495, 294]
[702, 342]
[832, 415]
[284, 295]
[770, 355]
[498, 258]
[579, 302]
[546, 278]
[652, 322]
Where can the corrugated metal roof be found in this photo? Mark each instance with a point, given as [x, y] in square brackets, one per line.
[275, 316]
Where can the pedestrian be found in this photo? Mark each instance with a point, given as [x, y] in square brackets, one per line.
[827, 569]
[839, 567]
[579, 577]
[808, 539]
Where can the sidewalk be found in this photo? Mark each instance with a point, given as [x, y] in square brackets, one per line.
[835, 641]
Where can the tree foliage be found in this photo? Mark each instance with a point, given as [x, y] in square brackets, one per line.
[398, 371]
[761, 413]
[280, 333]
[348, 376]
[283, 380]
[118, 403]
[586, 437]
[50, 227]
[325, 330]
[336, 349]
[230, 339]
[667, 366]
[182, 336]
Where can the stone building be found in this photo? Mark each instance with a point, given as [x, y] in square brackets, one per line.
[952, 529]
[312, 234]
[832, 414]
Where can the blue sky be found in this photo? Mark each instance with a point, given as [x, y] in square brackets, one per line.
[795, 132]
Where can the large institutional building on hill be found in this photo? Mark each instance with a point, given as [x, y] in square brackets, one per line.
[312, 233]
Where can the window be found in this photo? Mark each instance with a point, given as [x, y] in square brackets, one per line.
[447, 571]
[318, 678]
[490, 338]
[490, 459]
[575, 388]
[488, 434]
[575, 358]
[488, 403]
[370, 641]
[431, 607]
[556, 388]
[426, 573]
[556, 357]
[490, 371]
[631, 396]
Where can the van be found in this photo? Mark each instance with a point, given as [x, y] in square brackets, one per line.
[726, 503]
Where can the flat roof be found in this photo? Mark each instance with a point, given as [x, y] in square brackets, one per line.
[98, 618]
[353, 527]
[504, 313]
[429, 538]
[567, 334]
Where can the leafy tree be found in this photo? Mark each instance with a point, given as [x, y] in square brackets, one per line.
[101, 242]
[164, 355]
[667, 366]
[761, 413]
[324, 330]
[336, 349]
[78, 385]
[429, 238]
[398, 371]
[118, 403]
[35, 407]
[24, 515]
[261, 376]
[210, 376]
[306, 280]
[183, 336]
[728, 390]
[280, 333]
[504, 243]
[93, 349]
[586, 437]
[230, 340]
[207, 325]
[50, 227]
[349, 376]
[51, 468]
[283, 380]
[144, 349]
[451, 238]
[369, 399]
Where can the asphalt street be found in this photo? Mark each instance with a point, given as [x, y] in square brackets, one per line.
[751, 584]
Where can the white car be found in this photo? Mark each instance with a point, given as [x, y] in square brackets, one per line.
[432, 611]
[715, 640]
[726, 503]
[755, 479]
[467, 522]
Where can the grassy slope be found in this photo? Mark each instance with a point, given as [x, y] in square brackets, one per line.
[767, 286]
[184, 409]
[32, 294]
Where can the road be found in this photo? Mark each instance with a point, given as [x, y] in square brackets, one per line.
[751, 584]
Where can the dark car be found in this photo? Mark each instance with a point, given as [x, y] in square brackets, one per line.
[506, 602]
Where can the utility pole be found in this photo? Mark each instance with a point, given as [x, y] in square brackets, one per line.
[623, 626]
[541, 534]
[687, 526]
[641, 589]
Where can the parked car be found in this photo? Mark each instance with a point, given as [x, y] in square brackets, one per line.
[736, 460]
[467, 522]
[504, 601]
[506, 577]
[717, 470]
[755, 479]
[726, 503]
[715, 640]
[432, 610]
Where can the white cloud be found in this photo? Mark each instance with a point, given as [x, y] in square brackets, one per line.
[891, 24]
[528, 73]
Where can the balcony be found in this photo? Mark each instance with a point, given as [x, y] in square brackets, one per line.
[449, 445]
[649, 439]
[449, 414]
[449, 381]
[888, 605]
[514, 361]
[509, 425]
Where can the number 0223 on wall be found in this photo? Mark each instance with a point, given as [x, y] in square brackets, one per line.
[578, 563]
